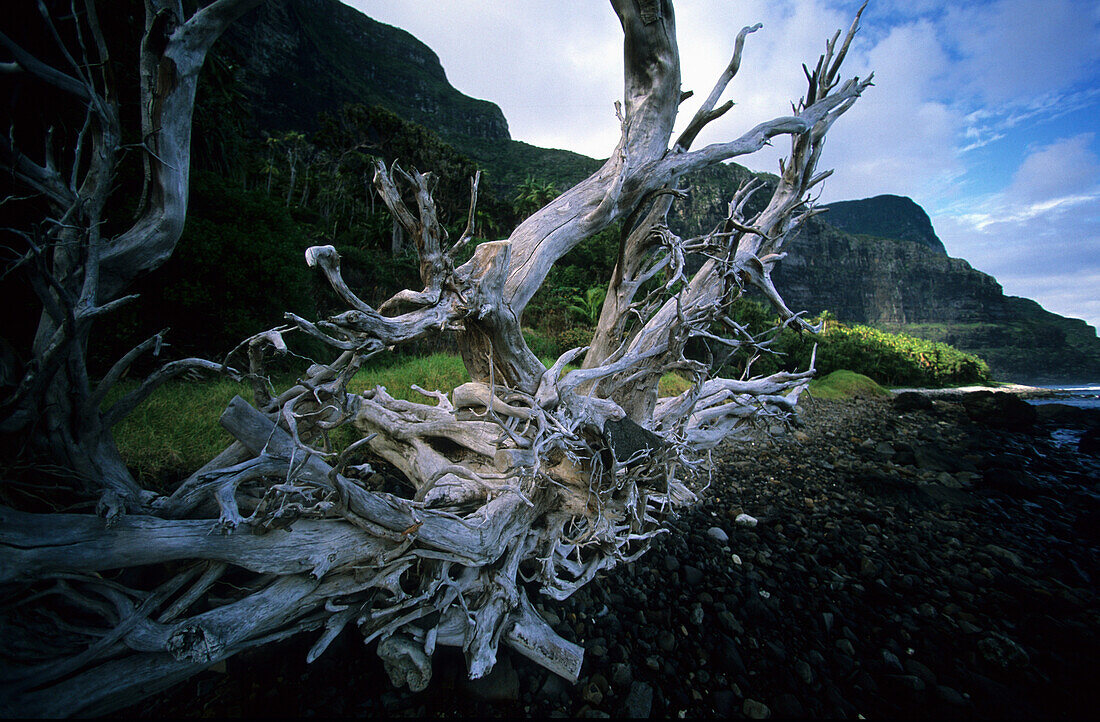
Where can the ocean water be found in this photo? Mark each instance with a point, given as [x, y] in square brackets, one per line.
[1086, 396]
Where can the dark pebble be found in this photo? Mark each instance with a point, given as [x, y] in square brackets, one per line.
[638, 702]
[692, 575]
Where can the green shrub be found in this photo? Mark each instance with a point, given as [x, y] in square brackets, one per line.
[892, 359]
[237, 269]
[844, 384]
[897, 359]
[587, 307]
[571, 280]
[573, 338]
[541, 344]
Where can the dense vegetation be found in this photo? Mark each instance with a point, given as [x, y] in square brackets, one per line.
[897, 359]
[280, 76]
[890, 359]
[239, 265]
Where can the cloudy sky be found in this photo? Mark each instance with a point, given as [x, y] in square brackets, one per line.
[985, 113]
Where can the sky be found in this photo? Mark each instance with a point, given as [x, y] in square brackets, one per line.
[987, 114]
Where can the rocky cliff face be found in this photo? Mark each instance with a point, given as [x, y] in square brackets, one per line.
[297, 58]
[884, 281]
[907, 286]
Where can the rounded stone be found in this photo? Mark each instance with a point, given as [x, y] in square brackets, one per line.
[755, 710]
[746, 520]
[718, 535]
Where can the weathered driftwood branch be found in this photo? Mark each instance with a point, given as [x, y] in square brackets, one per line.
[525, 480]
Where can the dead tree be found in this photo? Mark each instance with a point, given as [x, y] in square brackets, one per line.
[77, 274]
[525, 480]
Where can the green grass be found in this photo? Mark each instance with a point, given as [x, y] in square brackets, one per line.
[672, 384]
[176, 430]
[438, 372]
[844, 384]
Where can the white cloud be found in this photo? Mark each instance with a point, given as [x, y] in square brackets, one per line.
[554, 71]
[1020, 62]
[771, 75]
[1057, 171]
[1066, 294]
[1015, 50]
[1040, 236]
[899, 138]
[950, 77]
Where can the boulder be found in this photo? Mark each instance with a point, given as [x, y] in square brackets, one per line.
[717, 534]
[1090, 442]
[626, 438]
[1067, 415]
[1000, 410]
[912, 401]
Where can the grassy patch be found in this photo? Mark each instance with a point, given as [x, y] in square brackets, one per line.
[438, 372]
[176, 430]
[844, 384]
[672, 384]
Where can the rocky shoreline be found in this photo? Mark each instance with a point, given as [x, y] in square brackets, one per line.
[910, 558]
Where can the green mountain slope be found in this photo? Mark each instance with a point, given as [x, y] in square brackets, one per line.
[298, 58]
[885, 216]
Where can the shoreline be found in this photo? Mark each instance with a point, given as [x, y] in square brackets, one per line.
[1022, 390]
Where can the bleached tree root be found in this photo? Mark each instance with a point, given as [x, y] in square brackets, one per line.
[453, 568]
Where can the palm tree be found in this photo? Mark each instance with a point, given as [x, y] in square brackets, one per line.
[588, 306]
[533, 194]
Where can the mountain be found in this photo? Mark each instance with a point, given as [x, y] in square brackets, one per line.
[296, 59]
[908, 286]
[876, 261]
[885, 216]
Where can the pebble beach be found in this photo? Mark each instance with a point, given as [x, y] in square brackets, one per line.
[902, 557]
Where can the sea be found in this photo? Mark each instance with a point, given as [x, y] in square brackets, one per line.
[1085, 396]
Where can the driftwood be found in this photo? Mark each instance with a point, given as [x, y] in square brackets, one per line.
[527, 480]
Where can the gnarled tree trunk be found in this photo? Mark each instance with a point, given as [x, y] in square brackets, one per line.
[525, 480]
[79, 275]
